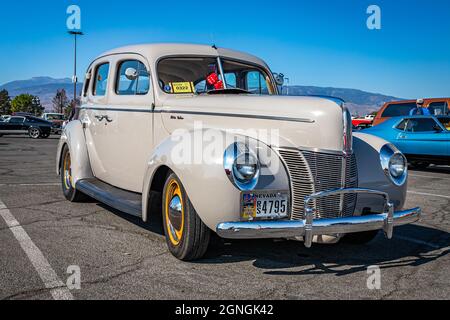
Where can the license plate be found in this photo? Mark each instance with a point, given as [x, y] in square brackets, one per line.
[265, 205]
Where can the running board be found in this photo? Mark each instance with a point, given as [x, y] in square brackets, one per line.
[125, 201]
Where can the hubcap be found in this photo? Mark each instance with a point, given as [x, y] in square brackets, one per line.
[67, 171]
[174, 212]
[34, 133]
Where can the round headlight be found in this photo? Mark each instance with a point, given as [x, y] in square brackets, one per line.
[245, 168]
[394, 164]
[397, 165]
[242, 166]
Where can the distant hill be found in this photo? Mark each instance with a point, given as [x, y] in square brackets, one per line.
[359, 102]
[43, 87]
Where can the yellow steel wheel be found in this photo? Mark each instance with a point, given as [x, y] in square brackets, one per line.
[67, 179]
[67, 171]
[174, 211]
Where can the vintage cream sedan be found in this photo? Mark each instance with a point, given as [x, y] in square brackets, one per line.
[200, 136]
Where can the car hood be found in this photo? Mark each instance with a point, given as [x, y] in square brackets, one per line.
[311, 122]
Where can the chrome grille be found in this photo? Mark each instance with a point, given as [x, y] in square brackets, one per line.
[312, 172]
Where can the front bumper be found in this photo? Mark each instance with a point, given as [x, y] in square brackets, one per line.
[309, 227]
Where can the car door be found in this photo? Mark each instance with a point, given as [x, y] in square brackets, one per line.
[421, 137]
[129, 122]
[92, 114]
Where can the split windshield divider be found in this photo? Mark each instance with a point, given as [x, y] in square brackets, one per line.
[219, 63]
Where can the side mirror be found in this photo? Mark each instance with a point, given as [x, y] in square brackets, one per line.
[131, 74]
[279, 78]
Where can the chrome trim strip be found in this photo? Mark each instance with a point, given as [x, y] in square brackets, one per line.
[318, 150]
[118, 109]
[215, 114]
[238, 115]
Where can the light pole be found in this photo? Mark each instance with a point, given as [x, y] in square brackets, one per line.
[75, 79]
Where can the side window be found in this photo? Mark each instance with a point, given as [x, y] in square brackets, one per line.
[132, 79]
[87, 82]
[421, 125]
[256, 83]
[16, 120]
[101, 80]
[402, 125]
[438, 108]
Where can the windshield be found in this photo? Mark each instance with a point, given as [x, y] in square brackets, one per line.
[51, 117]
[200, 75]
[445, 122]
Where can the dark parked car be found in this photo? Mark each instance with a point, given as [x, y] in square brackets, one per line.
[33, 126]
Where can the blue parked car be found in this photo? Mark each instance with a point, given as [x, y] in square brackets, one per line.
[424, 140]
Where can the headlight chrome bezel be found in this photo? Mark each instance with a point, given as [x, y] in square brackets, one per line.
[232, 154]
[387, 153]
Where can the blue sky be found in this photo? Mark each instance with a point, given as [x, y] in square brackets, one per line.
[320, 43]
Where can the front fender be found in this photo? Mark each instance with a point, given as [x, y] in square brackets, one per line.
[371, 176]
[73, 136]
[212, 194]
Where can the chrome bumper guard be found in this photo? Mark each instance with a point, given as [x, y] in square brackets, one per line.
[310, 227]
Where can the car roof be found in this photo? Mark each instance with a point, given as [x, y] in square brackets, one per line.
[155, 51]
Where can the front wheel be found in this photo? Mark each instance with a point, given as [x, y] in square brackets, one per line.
[34, 133]
[186, 235]
[70, 193]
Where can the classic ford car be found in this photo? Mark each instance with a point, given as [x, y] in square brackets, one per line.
[199, 135]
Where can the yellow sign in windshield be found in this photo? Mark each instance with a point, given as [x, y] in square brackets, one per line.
[182, 87]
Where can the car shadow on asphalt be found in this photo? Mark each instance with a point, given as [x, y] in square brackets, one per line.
[414, 246]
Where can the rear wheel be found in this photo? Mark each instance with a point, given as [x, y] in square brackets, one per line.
[34, 133]
[186, 235]
[68, 188]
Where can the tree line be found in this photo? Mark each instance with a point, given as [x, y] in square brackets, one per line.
[32, 104]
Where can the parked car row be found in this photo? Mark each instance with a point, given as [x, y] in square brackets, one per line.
[26, 123]
[32, 126]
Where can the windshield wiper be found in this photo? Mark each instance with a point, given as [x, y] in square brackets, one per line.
[229, 91]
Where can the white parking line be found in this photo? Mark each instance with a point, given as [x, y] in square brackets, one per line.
[29, 184]
[429, 194]
[428, 244]
[58, 290]
[430, 176]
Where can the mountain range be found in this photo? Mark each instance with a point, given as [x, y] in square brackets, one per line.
[359, 102]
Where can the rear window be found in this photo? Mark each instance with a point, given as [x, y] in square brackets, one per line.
[438, 108]
[398, 110]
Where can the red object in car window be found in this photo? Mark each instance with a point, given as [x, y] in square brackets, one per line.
[212, 79]
[218, 85]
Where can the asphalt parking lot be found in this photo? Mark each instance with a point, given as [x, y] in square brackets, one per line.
[122, 258]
